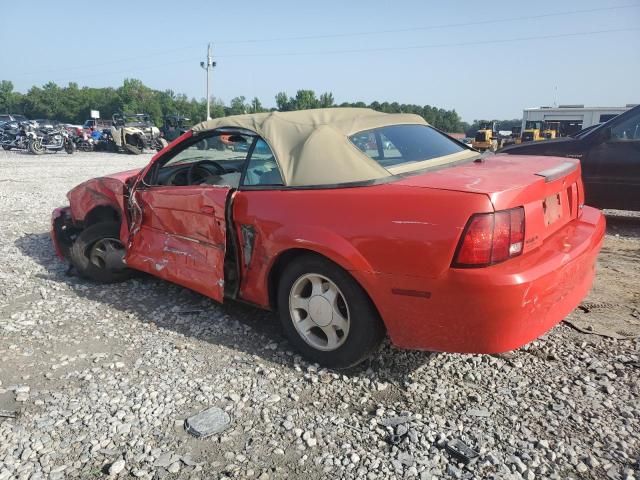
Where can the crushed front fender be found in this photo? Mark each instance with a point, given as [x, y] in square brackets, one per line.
[63, 231]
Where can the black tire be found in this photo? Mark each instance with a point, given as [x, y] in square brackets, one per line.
[35, 146]
[160, 144]
[6, 147]
[69, 147]
[136, 146]
[366, 329]
[81, 248]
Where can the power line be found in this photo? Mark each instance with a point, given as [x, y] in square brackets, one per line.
[337, 35]
[429, 27]
[438, 45]
[374, 49]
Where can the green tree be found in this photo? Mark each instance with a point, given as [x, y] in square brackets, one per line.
[256, 106]
[326, 100]
[237, 106]
[73, 104]
[282, 102]
[305, 100]
[217, 108]
[9, 100]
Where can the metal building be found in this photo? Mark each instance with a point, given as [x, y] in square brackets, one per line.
[569, 119]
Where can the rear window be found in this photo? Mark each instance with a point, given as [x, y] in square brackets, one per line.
[405, 144]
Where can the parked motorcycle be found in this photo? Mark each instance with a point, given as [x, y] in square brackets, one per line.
[13, 135]
[84, 142]
[50, 140]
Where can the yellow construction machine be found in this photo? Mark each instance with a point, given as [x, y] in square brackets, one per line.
[536, 130]
[532, 131]
[487, 138]
[551, 130]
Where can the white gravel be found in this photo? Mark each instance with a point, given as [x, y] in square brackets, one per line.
[103, 377]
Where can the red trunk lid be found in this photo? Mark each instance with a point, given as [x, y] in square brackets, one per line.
[549, 188]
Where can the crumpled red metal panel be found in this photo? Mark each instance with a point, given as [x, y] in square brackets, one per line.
[179, 234]
[96, 192]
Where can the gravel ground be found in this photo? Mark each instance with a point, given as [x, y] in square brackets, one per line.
[103, 377]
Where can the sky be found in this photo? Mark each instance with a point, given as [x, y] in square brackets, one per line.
[483, 59]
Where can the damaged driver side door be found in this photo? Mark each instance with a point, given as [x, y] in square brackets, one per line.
[178, 229]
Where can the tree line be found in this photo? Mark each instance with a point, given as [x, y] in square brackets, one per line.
[73, 103]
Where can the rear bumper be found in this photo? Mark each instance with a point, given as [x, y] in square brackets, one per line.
[498, 308]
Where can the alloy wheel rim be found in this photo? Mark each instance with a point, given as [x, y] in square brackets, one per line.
[319, 312]
[107, 253]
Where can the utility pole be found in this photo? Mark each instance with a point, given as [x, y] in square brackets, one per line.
[208, 65]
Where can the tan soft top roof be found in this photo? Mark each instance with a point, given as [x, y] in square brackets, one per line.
[312, 146]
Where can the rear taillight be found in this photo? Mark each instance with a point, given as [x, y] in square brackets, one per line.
[491, 238]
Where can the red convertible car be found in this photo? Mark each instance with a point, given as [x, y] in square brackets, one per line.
[409, 234]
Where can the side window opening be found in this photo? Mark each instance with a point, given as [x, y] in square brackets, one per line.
[262, 168]
[627, 130]
[216, 159]
[396, 145]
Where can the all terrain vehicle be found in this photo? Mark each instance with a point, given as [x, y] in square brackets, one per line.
[134, 132]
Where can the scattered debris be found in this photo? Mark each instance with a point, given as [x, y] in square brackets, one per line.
[109, 452]
[188, 461]
[8, 414]
[588, 306]
[165, 460]
[478, 412]
[461, 451]
[22, 393]
[399, 425]
[208, 422]
[605, 319]
[395, 421]
[406, 459]
[116, 467]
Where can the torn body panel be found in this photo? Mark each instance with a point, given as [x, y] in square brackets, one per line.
[63, 231]
[179, 235]
[248, 242]
[109, 190]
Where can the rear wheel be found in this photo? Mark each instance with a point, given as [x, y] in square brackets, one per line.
[98, 253]
[326, 315]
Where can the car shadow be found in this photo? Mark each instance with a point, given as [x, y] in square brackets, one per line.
[166, 305]
[623, 223]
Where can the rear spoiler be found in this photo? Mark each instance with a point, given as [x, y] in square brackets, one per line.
[553, 173]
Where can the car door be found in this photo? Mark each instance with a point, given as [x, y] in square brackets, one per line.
[611, 165]
[179, 224]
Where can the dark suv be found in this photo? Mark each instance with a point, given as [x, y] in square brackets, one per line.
[11, 117]
[610, 158]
